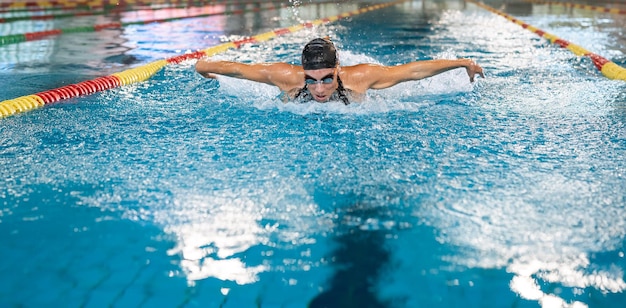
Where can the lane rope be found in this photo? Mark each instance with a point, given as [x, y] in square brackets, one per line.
[40, 35]
[605, 66]
[144, 72]
[128, 9]
[41, 5]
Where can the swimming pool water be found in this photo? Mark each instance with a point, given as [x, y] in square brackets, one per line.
[183, 191]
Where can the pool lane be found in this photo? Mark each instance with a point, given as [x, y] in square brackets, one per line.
[47, 5]
[144, 72]
[40, 35]
[606, 67]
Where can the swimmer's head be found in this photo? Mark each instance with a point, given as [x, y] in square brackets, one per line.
[319, 53]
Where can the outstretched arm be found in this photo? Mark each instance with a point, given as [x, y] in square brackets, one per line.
[381, 77]
[283, 75]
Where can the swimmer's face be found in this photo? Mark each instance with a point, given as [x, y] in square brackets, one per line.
[321, 83]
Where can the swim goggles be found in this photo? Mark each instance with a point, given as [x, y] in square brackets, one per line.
[325, 80]
[328, 79]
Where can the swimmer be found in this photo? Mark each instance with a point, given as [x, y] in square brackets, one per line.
[322, 79]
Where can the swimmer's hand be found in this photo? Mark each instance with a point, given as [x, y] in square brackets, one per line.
[473, 69]
[204, 67]
[208, 75]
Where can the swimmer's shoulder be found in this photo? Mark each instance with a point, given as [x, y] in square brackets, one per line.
[359, 78]
[288, 78]
[356, 80]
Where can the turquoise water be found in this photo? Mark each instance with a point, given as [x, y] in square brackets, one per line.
[183, 191]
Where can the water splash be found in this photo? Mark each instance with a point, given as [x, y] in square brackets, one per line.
[295, 10]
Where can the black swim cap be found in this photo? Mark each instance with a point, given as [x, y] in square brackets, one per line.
[319, 53]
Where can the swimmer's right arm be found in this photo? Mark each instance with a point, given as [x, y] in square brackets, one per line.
[283, 75]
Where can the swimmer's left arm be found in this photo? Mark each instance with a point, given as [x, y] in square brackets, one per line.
[387, 76]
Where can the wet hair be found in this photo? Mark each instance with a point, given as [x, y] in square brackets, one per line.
[319, 53]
